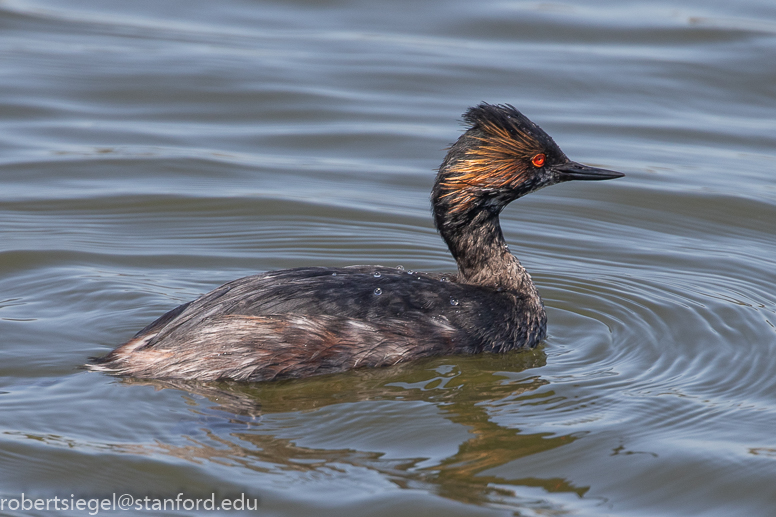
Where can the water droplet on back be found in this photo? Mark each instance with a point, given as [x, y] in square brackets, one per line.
[400, 267]
[378, 291]
[377, 274]
[453, 301]
[334, 274]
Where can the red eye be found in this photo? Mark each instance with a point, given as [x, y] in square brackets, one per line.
[538, 160]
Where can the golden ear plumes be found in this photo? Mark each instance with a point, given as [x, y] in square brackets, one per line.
[500, 161]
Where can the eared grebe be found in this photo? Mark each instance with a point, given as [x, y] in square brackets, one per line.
[317, 320]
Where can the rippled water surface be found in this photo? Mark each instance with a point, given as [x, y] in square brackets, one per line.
[150, 151]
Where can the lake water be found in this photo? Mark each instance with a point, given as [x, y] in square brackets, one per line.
[150, 151]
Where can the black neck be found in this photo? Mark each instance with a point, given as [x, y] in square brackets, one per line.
[478, 246]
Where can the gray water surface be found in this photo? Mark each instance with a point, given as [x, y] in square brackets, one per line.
[150, 151]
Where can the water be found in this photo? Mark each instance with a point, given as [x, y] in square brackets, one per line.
[150, 151]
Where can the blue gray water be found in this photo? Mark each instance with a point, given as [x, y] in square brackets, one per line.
[150, 151]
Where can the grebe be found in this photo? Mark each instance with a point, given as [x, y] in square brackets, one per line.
[317, 320]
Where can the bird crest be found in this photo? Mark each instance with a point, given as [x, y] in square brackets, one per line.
[501, 150]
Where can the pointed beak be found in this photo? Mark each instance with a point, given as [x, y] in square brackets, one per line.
[576, 171]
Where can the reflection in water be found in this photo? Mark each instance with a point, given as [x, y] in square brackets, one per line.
[463, 388]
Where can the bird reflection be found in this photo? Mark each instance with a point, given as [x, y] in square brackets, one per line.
[463, 388]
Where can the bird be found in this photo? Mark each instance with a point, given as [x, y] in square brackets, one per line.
[308, 321]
